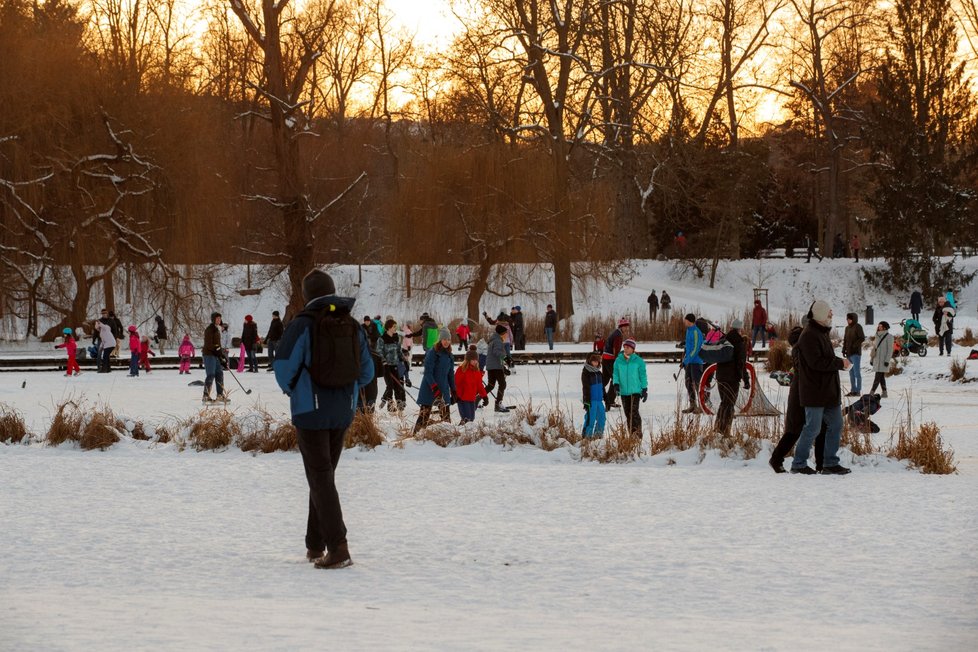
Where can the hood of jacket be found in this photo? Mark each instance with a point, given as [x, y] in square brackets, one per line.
[342, 303]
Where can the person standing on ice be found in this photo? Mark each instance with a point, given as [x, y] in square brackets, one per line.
[463, 332]
[653, 306]
[916, 304]
[728, 377]
[852, 350]
[144, 353]
[389, 350]
[134, 349]
[469, 387]
[819, 392]
[321, 414]
[407, 342]
[106, 345]
[612, 347]
[160, 336]
[71, 348]
[518, 330]
[592, 386]
[758, 324]
[439, 374]
[273, 336]
[550, 325]
[632, 384]
[215, 359]
[496, 355]
[794, 415]
[945, 330]
[881, 356]
[186, 353]
[692, 362]
[250, 340]
[854, 247]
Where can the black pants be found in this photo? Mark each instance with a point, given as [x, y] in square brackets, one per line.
[607, 373]
[879, 380]
[497, 376]
[728, 399]
[321, 450]
[944, 342]
[368, 396]
[629, 407]
[424, 416]
[393, 385]
[788, 441]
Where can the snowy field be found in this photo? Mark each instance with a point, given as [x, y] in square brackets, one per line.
[147, 547]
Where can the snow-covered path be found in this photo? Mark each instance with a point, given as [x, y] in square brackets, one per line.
[136, 549]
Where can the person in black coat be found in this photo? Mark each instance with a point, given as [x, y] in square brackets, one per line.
[550, 325]
[653, 306]
[728, 377]
[249, 338]
[519, 334]
[916, 304]
[819, 391]
[160, 337]
[275, 331]
[794, 418]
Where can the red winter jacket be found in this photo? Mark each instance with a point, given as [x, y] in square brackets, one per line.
[759, 318]
[69, 345]
[468, 384]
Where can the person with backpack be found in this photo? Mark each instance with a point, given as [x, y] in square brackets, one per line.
[916, 304]
[215, 359]
[134, 348]
[729, 375]
[389, 350]
[819, 392]
[71, 348]
[273, 336]
[469, 387]
[852, 350]
[631, 383]
[592, 386]
[250, 341]
[496, 355]
[160, 336]
[692, 363]
[758, 324]
[321, 362]
[550, 325]
[612, 347]
[439, 368]
[186, 353]
[881, 356]
[794, 417]
[653, 306]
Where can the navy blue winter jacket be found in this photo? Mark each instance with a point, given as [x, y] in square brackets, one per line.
[314, 407]
[439, 370]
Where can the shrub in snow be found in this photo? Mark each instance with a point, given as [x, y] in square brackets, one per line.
[924, 449]
[958, 369]
[617, 446]
[66, 424]
[363, 432]
[212, 429]
[13, 430]
[778, 356]
[261, 431]
[100, 430]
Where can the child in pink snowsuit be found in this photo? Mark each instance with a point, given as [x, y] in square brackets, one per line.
[133, 352]
[145, 352]
[186, 352]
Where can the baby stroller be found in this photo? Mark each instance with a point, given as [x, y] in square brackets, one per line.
[914, 338]
[858, 413]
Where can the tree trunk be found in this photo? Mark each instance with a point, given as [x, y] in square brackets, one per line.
[109, 287]
[563, 282]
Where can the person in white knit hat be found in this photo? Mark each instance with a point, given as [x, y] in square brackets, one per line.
[819, 391]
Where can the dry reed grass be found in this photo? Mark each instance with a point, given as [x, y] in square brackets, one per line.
[212, 429]
[162, 434]
[680, 433]
[859, 440]
[13, 430]
[924, 449]
[778, 357]
[968, 339]
[66, 424]
[618, 446]
[264, 433]
[101, 429]
[958, 369]
[364, 432]
[896, 367]
[138, 431]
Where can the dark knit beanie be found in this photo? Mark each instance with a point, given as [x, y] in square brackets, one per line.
[315, 284]
[500, 329]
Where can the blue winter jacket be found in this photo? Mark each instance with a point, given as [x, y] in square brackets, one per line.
[439, 369]
[694, 342]
[629, 374]
[592, 385]
[314, 407]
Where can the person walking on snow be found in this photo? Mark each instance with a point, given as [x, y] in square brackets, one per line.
[463, 331]
[134, 348]
[321, 415]
[186, 353]
[946, 329]
[758, 324]
[810, 249]
[916, 304]
[550, 325]
[854, 246]
[692, 362]
[666, 304]
[881, 356]
[469, 387]
[794, 416]
[852, 350]
[439, 374]
[592, 385]
[389, 350]
[630, 381]
[653, 306]
[273, 337]
[160, 336]
[819, 392]
[71, 348]
[728, 378]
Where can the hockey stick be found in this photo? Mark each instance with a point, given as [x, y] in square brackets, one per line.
[233, 375]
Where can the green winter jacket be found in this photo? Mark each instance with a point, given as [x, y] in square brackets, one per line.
[629, 374]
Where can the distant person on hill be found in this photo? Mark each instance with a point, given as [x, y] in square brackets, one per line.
[550, 325]
[680, 242]
[653, 306]
[758, 324]
[666, 304]
[854, 247]
[810, 249]
[945, 330]
[916, 304]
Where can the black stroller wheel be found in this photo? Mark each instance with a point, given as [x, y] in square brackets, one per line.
[922, 351]
[904, 352]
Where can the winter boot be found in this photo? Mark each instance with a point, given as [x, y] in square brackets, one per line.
[883, 395]
[207, 398]
[835, 470]
[777, 465]
[313, 555]
[339, 558]
[805, 470]
[501, 408]
[383, 404]
[400, 406]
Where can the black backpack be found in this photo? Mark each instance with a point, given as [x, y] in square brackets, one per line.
[335, 345]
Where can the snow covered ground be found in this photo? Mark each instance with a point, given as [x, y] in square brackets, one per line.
[146, 547]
